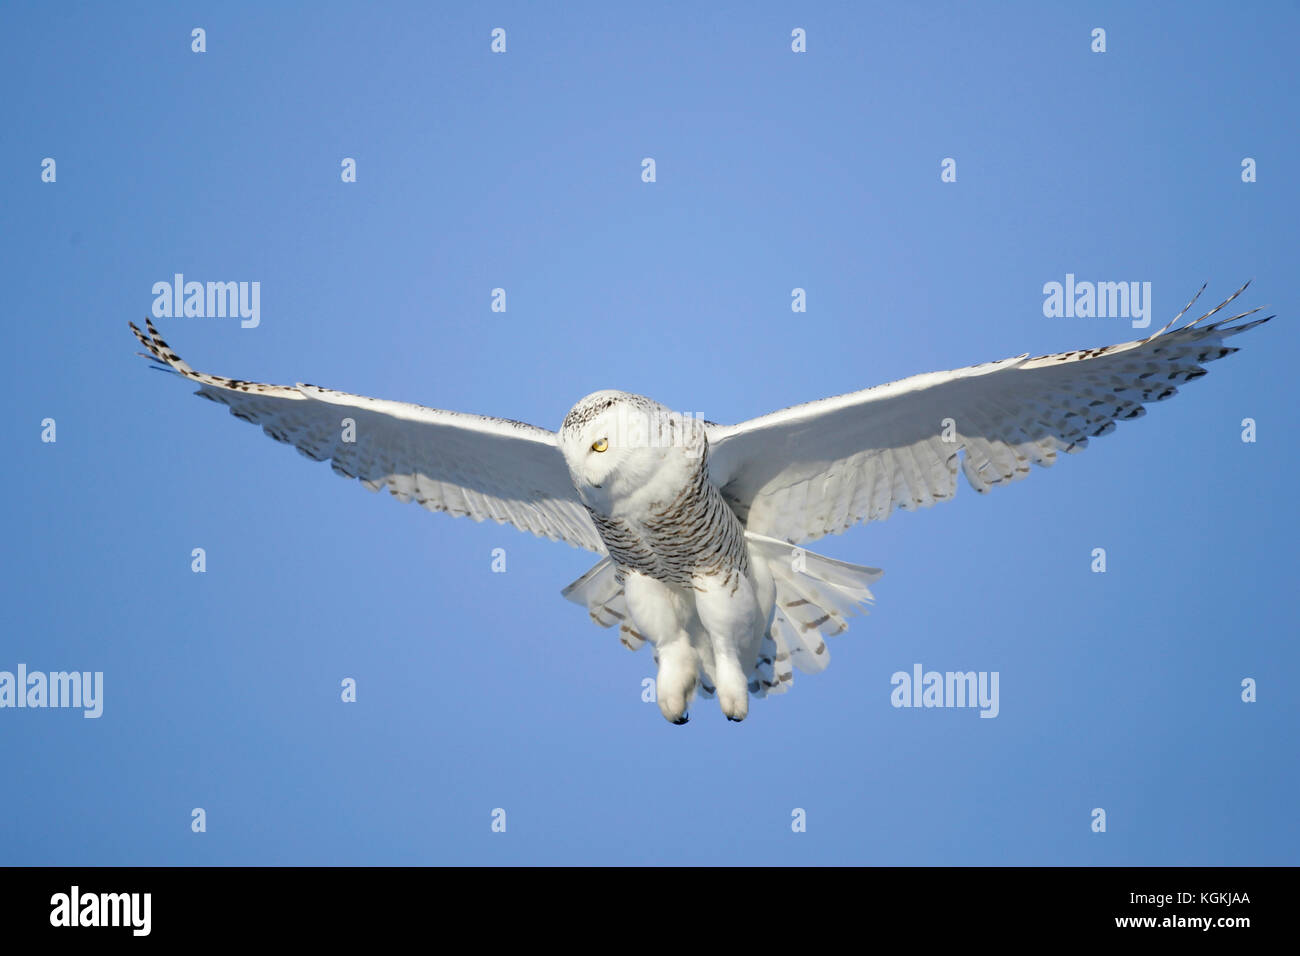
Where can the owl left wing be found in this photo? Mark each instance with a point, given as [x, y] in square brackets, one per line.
[820, 468]
[468, 465]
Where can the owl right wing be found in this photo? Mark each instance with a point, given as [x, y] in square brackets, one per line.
[820, 468]
[465, 465]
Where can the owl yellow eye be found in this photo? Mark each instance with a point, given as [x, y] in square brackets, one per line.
[599, 444]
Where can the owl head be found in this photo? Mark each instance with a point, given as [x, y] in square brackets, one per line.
[619, 445]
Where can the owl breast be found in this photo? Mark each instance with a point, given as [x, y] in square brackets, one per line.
[683, 535]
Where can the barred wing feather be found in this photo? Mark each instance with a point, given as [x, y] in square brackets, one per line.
[820, 468]
[465, 465]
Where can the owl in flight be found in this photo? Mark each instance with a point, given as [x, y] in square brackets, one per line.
[698, 524]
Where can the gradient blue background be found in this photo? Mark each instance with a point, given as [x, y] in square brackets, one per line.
[775, 170]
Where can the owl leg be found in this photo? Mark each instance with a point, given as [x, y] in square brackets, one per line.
[661, 612]
[728, 609]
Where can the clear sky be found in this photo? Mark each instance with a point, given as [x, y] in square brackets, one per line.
[775, 170]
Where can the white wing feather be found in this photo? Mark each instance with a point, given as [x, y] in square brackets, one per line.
[820, 468]
[465, 465]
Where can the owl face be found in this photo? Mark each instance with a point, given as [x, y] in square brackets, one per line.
[619, 445]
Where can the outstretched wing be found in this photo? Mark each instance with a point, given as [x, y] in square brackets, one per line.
[819, 468]
[447, 461]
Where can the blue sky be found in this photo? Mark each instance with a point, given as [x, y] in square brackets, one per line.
[522, 171]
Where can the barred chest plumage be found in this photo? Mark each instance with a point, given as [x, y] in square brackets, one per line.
[673, 539]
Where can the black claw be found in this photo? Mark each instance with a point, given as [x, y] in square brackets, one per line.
[683, 719]
[735, 720]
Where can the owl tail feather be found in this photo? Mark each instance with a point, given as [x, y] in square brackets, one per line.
[815, 596]
[601, 593]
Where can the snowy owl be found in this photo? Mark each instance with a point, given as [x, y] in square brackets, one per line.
[698, 524]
